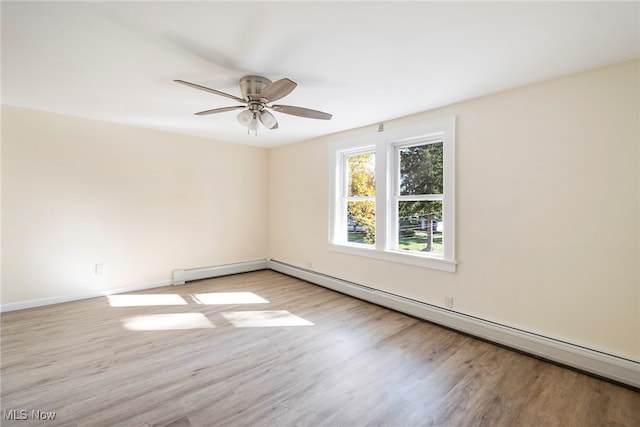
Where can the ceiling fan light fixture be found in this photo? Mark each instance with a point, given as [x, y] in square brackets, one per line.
[253, 124]
[268, 120]
[244, 117]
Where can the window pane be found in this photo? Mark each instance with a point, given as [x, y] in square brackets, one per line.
[421, 169]
[420, 226]
[361, 222]
[361, 169]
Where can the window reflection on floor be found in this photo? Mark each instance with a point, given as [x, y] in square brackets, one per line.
[196, 320]
[167, 322]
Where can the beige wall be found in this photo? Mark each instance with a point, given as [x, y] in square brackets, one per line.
[77, 192]
[547, 193]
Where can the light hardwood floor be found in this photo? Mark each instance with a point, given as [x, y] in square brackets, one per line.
[304, 356]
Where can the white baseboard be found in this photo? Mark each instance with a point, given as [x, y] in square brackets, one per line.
[21, 305]
[598, 363]
[605, 365]
[180, 276]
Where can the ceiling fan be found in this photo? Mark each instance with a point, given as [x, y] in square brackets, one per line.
[257, 95]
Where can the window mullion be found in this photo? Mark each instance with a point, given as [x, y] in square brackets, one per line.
[360, 198]
[421, 197]
[381, 196]
[392, 190]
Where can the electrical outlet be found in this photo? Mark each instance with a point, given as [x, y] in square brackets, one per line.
[448, 302]
[309, 264]
[99, 269]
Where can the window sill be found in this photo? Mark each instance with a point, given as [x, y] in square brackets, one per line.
[402, 257]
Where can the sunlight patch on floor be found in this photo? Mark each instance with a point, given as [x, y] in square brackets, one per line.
[258, 319]
[140, 300]
[219, 298]
[167, 322]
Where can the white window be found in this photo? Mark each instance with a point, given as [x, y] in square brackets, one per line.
[392, 195]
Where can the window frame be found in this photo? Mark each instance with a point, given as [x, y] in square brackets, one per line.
[385, 145]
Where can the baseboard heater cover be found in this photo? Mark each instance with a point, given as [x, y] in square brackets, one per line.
[613, 367]
[181, 276]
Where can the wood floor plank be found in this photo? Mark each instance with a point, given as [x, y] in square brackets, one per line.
[324, 359]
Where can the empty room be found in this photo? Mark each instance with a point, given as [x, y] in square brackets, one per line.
[313, 213]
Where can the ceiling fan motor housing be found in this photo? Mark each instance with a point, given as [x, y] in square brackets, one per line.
[251, 87]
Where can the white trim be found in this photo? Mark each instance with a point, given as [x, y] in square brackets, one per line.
[420, 198]
[21, 305]
[395, 255]
[180, 276]
[595, 362]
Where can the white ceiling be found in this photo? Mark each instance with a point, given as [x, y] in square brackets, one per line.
[365, 62]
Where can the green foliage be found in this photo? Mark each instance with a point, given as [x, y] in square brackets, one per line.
[364, 215]
[421, 170]
[362, 183]
[362, 178]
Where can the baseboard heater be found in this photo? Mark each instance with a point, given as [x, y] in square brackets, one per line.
[181, 276]
[601, 364]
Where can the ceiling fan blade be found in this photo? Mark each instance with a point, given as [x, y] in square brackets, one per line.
[219, 110]
[276, 90]
[268, 120]
[302, 112]
[217, 92]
